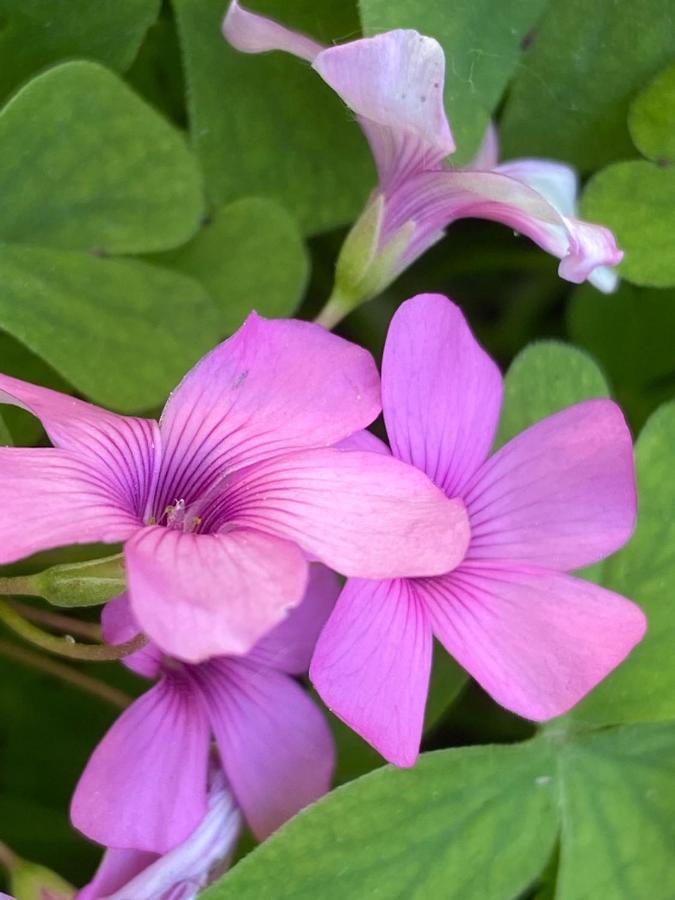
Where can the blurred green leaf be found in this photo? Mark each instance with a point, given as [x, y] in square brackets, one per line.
[637, 201]
[544, 378]
[630, 332]
[617, 800]
[355, 757]
[35, 34]
[643, 687]
[157, 72]
[587, 60]
[477, 822]
[122, 332]
[652, 118]
[86, 164]
[250, 255]
[482, 41]
[267, 125]
[5, 435]
[447, 680]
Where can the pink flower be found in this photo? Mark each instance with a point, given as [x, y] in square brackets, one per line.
[179, 874]
[556, 498]
[394, 84]
[219, 504]
[145, 786]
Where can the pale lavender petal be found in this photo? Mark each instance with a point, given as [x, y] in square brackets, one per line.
[144, 786]
[441, 392]
[119, 626]
[117, 867]
[433, 200]
[252, 33]
[372, 662]
[122, 452]
[274, 743]
[50, 498]
[203, 595]
[555, 181]
[364, 440]
[560, 495]
[276, 385]
[394, 83]
[487, 155]
[363, 514]
[186, 870]
[536, 641]
[290, 645]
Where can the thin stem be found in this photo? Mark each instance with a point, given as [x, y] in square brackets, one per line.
[335, 309]
[66, 646]
[57, 621]
[7, 858]
[22, 585]
[71, 676]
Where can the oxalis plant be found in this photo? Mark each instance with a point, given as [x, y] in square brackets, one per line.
[301, 597]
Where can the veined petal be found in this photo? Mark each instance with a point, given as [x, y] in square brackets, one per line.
[274, 743]
[252, 33]
[119, 626]
[203, 595]
[433, 200]
[363, 514]
[50, 498]
[441, 392]
[487, 155]
[536, 641]
[561, 494]
[394, 83]
[289, 646]
[364, 440]
[274, 386]
[179, 874]
[372, 663]
[122, 451]
[144, 786]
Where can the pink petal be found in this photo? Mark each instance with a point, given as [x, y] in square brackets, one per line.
[144, 787]
[487, 155]
[560, 495]
[372, 662]
[119, 626]
[251, 33]
[289, 646]
[181, 873]
[433, 200]
[394, 83]
[122, 452]
[276, 385]
[275, 746]
[202, 595]
[363, 514]
[441, 392]
[536, 641]
[50, 498]
[364, 440]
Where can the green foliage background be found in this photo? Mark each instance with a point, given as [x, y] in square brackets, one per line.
[157, 186]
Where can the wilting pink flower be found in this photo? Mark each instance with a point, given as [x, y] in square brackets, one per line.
[558, 497]
[220, 502]
[145, 786]
[181, 873]
[393, 82]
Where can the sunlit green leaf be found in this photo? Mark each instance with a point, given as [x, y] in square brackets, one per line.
[652, 117]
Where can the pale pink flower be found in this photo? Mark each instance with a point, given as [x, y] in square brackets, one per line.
[221, 502]
[556, 498]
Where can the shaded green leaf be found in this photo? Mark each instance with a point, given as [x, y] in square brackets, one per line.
[643, 687]
[122, 332]
[482, 42]
[34, 35]
[250, 255]
[86, 164]
[267, 125]
[617, 801]
[571, 97]
[637, 201]
[652, 117]
[447, 680]
[544, 378]
[451, 827]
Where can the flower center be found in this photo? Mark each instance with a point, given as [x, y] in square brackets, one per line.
[178, 517]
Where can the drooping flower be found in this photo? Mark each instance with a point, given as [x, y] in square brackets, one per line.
[181, 873]
[559, 496]
[220, 503]
[394, 82]
[145, 786]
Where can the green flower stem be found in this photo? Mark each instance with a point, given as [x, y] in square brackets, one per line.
[57, 621]
[66, 646]
[336, 308]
